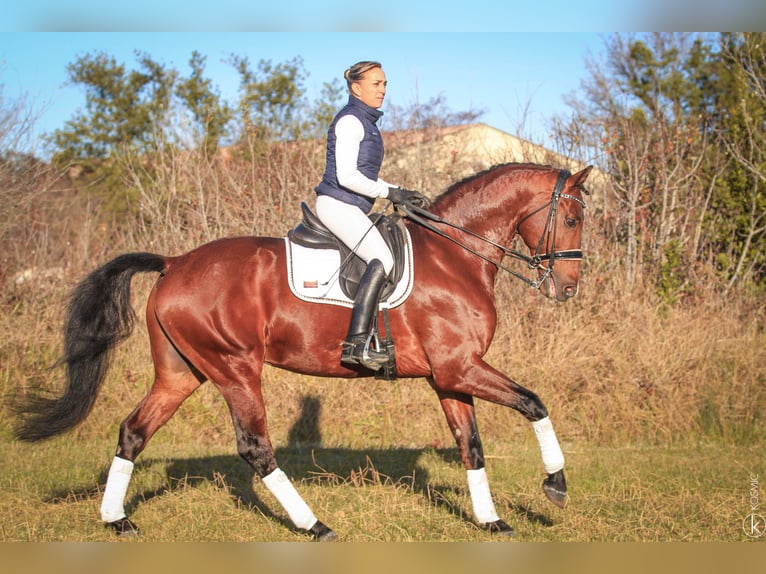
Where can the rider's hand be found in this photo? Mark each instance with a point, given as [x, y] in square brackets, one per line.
[399, 195]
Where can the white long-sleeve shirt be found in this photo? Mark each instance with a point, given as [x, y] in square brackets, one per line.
[349, 133]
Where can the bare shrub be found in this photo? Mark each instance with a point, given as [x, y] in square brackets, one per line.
[611, 365]
[189, 197]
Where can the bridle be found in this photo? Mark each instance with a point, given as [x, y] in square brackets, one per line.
[534, 262]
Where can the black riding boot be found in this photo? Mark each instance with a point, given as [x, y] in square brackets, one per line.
[365, 308]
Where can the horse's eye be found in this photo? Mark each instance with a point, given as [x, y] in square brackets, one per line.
[571, 222]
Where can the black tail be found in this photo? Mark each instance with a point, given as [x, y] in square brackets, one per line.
[99, 317]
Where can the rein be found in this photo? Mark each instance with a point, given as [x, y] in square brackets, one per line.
[424, 217]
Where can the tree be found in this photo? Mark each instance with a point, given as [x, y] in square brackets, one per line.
[209, 113]
[740, 223]
[27, 230]
[271, 98]
[435, 113]
[648, 107]
[330, 101]
[121, 107]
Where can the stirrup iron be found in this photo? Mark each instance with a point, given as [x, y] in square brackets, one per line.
[373, 363]
[352, 356]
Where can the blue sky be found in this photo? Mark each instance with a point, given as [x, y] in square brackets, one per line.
[515, 77]
[516, 60]
[390, 16]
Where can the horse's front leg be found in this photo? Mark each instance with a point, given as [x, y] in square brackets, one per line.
[481, 380]
[461, 418]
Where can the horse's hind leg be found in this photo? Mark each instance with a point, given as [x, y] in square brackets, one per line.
[248, 413]
[174, 381]
[461, 418]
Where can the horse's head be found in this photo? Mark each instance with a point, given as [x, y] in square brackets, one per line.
[553, 233]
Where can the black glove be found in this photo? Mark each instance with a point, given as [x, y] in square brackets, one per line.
[399, 195]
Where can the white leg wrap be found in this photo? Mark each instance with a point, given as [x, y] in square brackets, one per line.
[481, 499]
[284, 491]
[113, 503]
[553, 458]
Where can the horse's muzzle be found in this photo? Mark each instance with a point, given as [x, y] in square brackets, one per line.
[555, 287]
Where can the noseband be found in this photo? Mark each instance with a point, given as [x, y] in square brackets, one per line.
[535, 262]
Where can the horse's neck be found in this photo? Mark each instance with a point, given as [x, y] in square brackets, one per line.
[493, 216]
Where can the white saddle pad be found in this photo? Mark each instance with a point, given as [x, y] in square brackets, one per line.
[313, 276]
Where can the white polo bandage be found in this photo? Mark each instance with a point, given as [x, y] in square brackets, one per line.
[481, 499]
[284, 491]
[117, 481]
[553, 457]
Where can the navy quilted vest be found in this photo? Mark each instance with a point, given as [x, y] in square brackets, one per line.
[370, 155]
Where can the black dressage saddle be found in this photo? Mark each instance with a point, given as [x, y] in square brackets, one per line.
[312, 233]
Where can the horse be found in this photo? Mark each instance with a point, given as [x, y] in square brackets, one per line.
[223, 310]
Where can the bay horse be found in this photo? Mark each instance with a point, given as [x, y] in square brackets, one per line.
[223, 310]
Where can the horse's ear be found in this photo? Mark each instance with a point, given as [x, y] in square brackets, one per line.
[580, 177]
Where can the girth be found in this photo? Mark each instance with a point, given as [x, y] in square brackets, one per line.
[312, 233]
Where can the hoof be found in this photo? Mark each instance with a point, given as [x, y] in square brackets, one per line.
[555, 488]
[124, 527]
[499, 527]
[322, 533]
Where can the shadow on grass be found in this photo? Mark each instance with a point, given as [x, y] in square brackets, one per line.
[303, 458]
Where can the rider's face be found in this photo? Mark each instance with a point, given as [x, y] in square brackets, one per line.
[371, 89]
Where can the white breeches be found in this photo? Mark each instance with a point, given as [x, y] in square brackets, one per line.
[353, 227]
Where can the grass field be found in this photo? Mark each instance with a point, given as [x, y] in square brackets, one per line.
[186, 490]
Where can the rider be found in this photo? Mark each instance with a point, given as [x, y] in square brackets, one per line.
[347, 193]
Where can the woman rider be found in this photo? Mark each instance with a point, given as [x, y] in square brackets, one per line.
[347, 193]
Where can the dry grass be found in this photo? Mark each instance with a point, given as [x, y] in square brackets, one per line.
[634, 378]
[661, 414]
